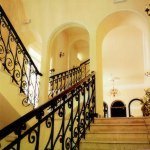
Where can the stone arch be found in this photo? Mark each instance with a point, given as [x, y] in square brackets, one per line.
[129, 105]
[57, 32]
[60, 29]
[113, 20]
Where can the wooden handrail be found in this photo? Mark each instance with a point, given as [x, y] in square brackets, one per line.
[21, 121]
[70, 70]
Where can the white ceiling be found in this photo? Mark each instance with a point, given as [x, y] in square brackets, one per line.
[123, 56]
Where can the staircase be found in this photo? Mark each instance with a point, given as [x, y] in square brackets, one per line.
[10, 99]
[19, 76]
[118, 134]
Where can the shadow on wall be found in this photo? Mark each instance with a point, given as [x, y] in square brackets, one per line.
[7, 113]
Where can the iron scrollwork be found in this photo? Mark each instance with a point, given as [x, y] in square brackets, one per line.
[17, 61]
[64, 120]
[60, 82]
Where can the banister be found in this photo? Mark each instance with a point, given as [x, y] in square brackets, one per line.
[8, 129]
[88, 60]
[58, 104]
[19, 40]
[17, 62]
[63, 80]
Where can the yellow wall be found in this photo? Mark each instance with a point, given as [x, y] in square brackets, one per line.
[60, 45]
[49, 17]
[125, 95]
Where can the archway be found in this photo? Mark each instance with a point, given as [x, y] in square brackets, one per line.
[135, 107]
[118, 109]
[68, 40]
[113, 42]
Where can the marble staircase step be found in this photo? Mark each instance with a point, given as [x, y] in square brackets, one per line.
[137, 120]
[114, 146]
[118, 134]
[118, 128]
[117, 137]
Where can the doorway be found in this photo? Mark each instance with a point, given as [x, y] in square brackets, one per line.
[135, 108]
[105, 110]
[118, 109]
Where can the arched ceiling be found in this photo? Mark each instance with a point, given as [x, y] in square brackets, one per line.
[123, 55]
[75, 36]
[121, 35]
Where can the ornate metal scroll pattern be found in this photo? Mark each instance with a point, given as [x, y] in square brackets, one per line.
[64, 80]
[17, 61]
[60, 123]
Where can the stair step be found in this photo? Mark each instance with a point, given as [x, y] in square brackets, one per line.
[118, 134]
[132, 137]
[120, 124]
[116, 142]
[123, 132]
[119, 120]
[114, 146]
[118, 128]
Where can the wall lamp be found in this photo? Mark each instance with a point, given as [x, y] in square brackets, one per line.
[147, 10]
[147, 73]
[61, 54]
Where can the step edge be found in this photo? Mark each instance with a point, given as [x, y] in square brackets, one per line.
[98, 124]
[117, 133]
[116, 142]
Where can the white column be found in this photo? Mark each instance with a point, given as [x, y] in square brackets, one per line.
[146, 55]
[96, 65]
[45, 62]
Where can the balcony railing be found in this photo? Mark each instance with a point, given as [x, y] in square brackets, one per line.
[17, 61]
[63, 80]
[58, 124]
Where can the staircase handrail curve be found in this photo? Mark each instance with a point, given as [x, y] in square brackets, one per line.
[86, 108]
[65, 72]
[8, 129]
[63, 80]
[70, 70]
[19, 40]
[17, 61]
[85, 62]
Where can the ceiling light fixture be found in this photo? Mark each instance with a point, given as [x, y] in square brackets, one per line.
[114, 92]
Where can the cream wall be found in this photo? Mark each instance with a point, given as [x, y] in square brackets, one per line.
[73, 60]
[79, 52]
[11, 107]
[125, 95]
[70, 41]
[60, 44]
[122, 52]
[48, 17]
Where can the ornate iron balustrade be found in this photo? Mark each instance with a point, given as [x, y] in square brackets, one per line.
[63, 80]
[58, 124]
[17, 61]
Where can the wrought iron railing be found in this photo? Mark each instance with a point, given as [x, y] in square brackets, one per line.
[17, 61]
[63, 80]
[58, 124]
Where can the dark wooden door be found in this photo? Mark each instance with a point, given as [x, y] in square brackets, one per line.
[118, 109]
